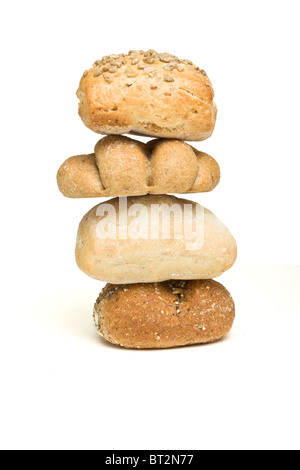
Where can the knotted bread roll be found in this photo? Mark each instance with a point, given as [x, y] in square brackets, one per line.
[125, 167]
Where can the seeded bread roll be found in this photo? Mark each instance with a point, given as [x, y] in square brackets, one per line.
[126, 167]
[164, 315]
[153, 239]
[147, 93]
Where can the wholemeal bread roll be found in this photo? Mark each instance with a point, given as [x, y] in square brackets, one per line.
[147, 93]
[153, 239]
[125, 167]
[164, 315]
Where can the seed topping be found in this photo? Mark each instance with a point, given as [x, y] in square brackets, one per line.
[165, 59]
[169, 79]
[107, 78]
[143, 66]
[149, 60]
[142, 60]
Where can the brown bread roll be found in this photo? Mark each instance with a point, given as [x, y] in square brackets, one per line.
[125, 167]
[147, 93]
[164, 315]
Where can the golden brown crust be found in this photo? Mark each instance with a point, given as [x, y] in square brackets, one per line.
[164, 315]
[126, 167]
[123, 166]
[147, 93]
[78, 177]
[158, 254]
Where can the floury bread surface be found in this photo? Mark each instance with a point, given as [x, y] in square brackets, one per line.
[203, 249]
[164, 315]
[125, 167]
[147, 93]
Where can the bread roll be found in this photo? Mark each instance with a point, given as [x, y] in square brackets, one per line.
[164, 315]
[147, 93]
[126, 167]
[153, 239]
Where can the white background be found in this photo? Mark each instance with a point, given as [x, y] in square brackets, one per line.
[61, 386]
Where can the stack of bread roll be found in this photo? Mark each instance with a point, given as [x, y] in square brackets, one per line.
[160, 290]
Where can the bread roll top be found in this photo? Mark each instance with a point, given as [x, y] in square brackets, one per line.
[147, 93]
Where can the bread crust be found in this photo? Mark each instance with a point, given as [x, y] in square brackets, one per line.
[131, 260]
[164, 315]
[147, 93]
[125, 167]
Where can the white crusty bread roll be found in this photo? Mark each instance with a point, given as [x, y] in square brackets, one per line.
[164, 315]
[153, 239]
[147, 93]
[125, 167]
